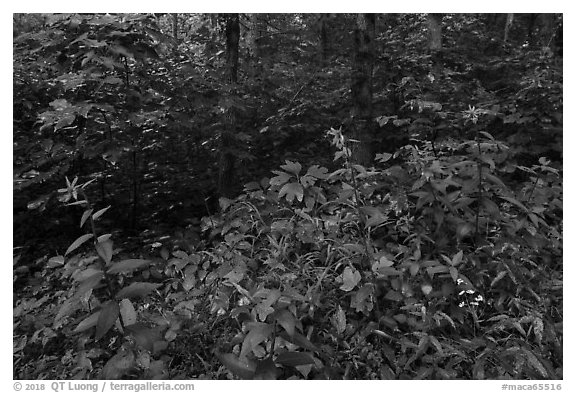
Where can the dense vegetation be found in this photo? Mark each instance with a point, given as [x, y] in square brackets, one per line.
[284, 196]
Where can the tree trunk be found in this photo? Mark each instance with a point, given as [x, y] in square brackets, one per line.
[254, 34]
[362, 88]
[508, 26]
[175, 26]
[227, 140]
[435, 32]
[323, 36]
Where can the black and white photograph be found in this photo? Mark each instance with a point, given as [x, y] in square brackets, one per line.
[287, 196]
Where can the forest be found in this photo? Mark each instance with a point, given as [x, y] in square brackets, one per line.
[287, 196]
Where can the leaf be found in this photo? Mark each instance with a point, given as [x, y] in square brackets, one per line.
[128, 265]
[88, 284]
[456, 259]
[85, 216]
[87, 323]
[498, 277]
[454, 273]
[464, 229]
[292, 190]
[137, 289]
[287, 320]
[242, 368]
[56, 261]
[108, 315]
[318, 172]
[293, 359]
[381, 263]
[103, 238]
[362, 300]
[514, 202]
[119, 365]
[383, 157]
[127, 312]
[99, 213]
[259, 332]
[144, 336]
[339, 321]
[266, 370]
[487, 135]
[300, 340]
[105, 250]
[350, 278]
[281, 179]
[535, 363]
[292, 167]
[426, 288]
[78, 242]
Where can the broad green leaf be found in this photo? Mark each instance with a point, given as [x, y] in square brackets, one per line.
[362, 299]
[258, 333]
[87, 323]
[457, 258]
[299, 340]
[454, 273]
[266, 370]
[105, 250]
[535, 363]
[88, 284]
[144, 336]
[108, 315]
[490, 207]
[242, 368]
[381, 263]
[281, 179]
[515, 202]
[81, 275]
[291, 191]
[383, 157]
[432, 270]
[103, 238]
[318, 172]
[127, 312]
[97, 215]
[292, 167]
[350, 278]
[78, 242]
[128, 265]
[85, 216]
[464, 229]
[287, 320]
[137, 289]
[56, 261]
[293, 359]
[374, 216]
[119, 365]
[307, 181]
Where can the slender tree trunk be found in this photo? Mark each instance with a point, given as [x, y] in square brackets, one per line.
[227, 140]
[362, 88]
[323, 35]
[435, 32]
[175, 26]
[508, 26]
[254, 34]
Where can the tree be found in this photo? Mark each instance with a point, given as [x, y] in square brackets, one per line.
[508, 26]
[435, 32]
[324, 33]
[363, 66]
[227, 140]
